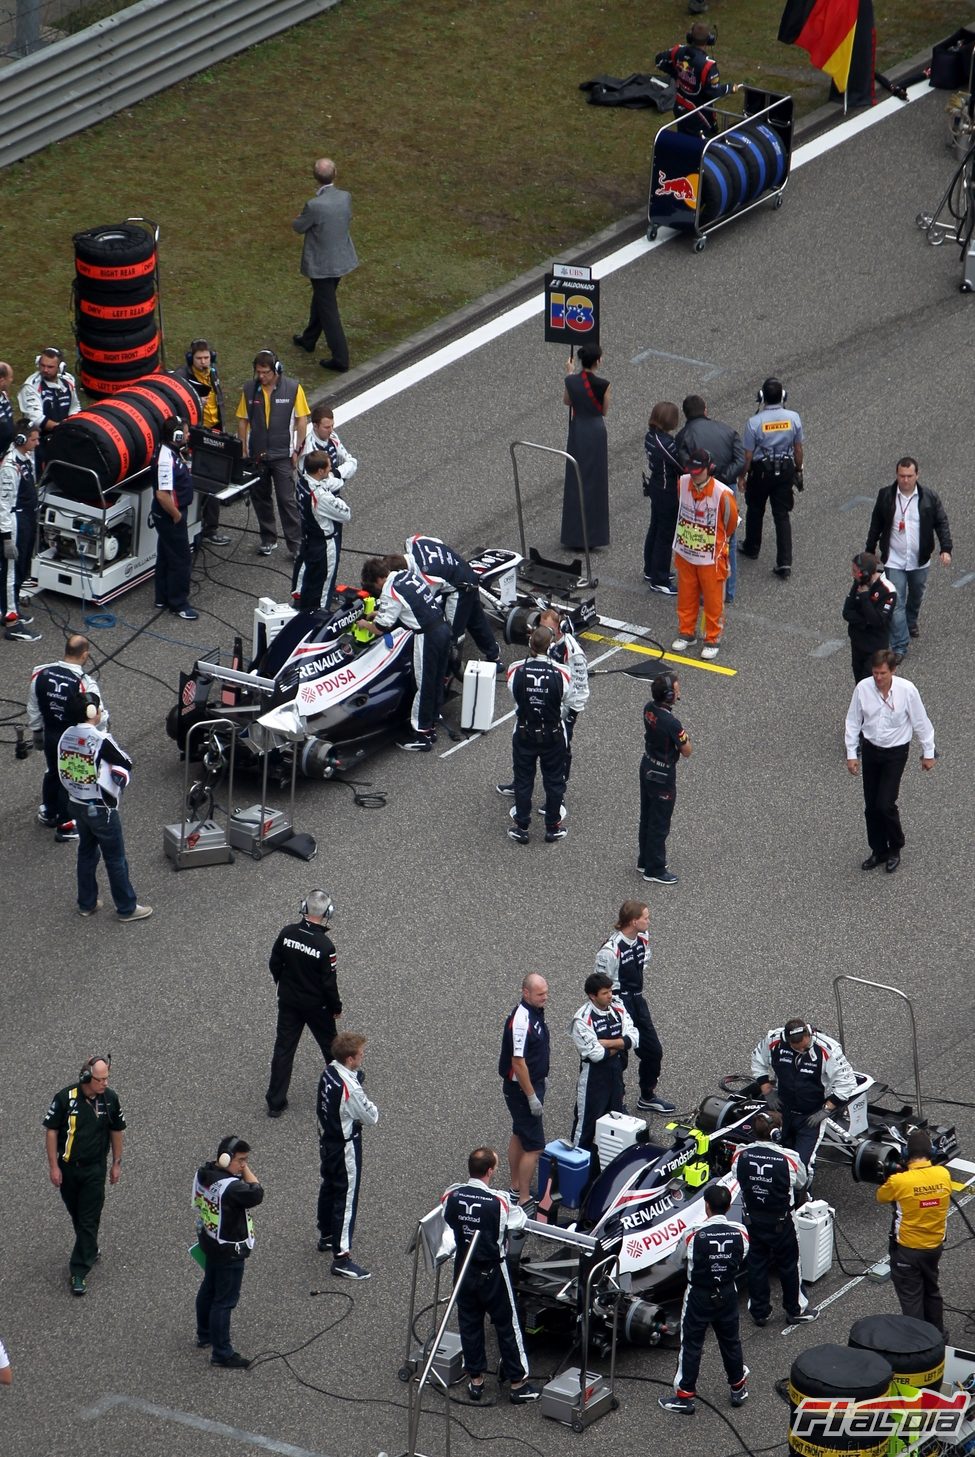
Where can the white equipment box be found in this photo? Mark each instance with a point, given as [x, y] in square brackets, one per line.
[614, 1133]
[814, 1226]
[477, 704]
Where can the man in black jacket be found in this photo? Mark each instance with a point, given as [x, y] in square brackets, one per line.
[905, 519]
[302, 964]
[225, 1190]
[867, 611]
[200, 371]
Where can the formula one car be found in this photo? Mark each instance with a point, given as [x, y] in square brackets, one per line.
[320, 688]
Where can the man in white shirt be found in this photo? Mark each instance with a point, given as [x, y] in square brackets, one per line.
[906, 518]
[884, 715]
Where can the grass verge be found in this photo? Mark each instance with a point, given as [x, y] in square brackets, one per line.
[457, 124]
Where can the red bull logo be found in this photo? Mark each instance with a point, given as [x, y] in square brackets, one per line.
[682, 189]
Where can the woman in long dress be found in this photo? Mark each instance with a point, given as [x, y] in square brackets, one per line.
[587, 397]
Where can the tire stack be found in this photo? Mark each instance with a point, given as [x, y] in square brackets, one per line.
[738, 168]
[116, 307]
[118, 437]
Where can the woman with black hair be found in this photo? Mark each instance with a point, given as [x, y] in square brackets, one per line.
[587, 397]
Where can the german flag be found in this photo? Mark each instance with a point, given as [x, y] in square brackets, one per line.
[824, 28]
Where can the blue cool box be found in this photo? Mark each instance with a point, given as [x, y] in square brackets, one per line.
[573, 1170]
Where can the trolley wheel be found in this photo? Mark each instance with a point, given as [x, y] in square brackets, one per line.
[577, 1426]
[651, 232]
[614, 1405]
[405, 1374]
[777, 200]
[964, 287]
[700, 244]
[255, 854]
[231, 858]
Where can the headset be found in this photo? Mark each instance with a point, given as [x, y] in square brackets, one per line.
[796, 1028]
[772, 386]
[92, 705]
[711, 39]
[230, 1146]
[663, 689]
[85, 1076]
[21, 436]
[866, 563]
[196, 344]
[52, 349]
[329, 910]
[174, 430]
[268, 356]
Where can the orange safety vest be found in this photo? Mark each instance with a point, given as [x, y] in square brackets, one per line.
[705, 520]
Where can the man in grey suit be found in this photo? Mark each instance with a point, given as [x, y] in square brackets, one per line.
[327, 255]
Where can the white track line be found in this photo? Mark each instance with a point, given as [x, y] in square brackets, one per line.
[404, 379]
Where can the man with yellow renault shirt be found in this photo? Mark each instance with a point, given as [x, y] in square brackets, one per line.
[922, 1193]
[200, 370]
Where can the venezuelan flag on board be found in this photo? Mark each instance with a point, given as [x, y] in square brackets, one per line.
[824, 28]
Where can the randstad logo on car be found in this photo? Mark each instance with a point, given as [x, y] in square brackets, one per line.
[911, 1419]
[681, 189]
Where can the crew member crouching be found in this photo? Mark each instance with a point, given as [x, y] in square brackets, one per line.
[405, 599]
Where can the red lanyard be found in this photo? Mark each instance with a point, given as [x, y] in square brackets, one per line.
[587, 386]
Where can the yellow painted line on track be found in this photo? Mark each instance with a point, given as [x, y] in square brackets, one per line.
[632, 647]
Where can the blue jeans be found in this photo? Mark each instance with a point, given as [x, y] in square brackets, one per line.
[100, 834]
[910, 589]
[216, 1298]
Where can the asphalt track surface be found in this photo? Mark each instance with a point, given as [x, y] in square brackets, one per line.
[439, 914]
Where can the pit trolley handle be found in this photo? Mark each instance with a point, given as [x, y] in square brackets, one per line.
[894, 992]
[416, 1393]
[550, 450]
[211, 724]
[598, 1269]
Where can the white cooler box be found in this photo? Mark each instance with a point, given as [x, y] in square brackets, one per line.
[814, 1226]
[477, 704]
[614, 1133]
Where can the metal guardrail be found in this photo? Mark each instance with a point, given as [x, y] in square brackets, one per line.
[117, 62]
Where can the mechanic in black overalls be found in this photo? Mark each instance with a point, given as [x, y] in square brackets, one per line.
[715, 1253]
[172, 497]
[405, 598]
[447, 573]
[804, 1075]
[696, 78]
[773, 1183]
[538, 686]
[476, 1208]
[302, 963]
[664, 742]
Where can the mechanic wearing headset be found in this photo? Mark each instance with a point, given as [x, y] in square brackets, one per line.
[622, 958]
[225, 1190]
[603, 1033]
[94, 771]
[302, 963]
[272, 420]
[696, 78]
[321, 436]
[452, 578]
[772, 472]
[323, 512]
[565, 651]
[773, 1182]
[200, 371]
[82, 1123]
[867, 611]
[664, 742]
[715, 1252]
[172, 498]
[804, 1075]
[473, 1209]
[48, 396]
[405, 598]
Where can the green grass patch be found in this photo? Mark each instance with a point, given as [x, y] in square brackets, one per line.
[457, 125]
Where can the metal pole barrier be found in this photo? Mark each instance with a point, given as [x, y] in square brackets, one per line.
[895, 992]
[415, 1412]
[550, 450]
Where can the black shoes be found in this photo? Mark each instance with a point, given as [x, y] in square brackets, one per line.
[872, 861]
[475, 1390]
[520, 1395]
[782, 572]
[234, 1362]
[299, 340]
[892, 863]
[334, 364]
[519, 835]
[325, 1246]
